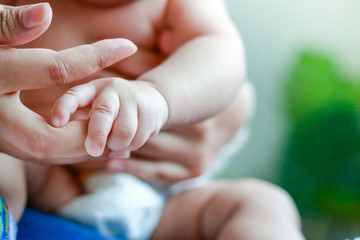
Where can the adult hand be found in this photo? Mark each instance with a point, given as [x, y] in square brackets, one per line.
[23, 133]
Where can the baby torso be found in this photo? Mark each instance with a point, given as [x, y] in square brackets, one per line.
[77, 22]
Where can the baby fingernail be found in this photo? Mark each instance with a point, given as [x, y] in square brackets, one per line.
[35, 15]
[92, 148]
[56, 122]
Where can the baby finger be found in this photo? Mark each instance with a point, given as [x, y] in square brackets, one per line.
[104, 111]
[124, 128]
[76, 97]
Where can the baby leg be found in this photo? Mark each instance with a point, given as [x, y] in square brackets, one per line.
[12, 184]
[240, 210]
[50, 187]
[47, 187]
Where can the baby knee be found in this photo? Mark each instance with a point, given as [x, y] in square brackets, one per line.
[255, 188]
[260, 194]
[54, 187]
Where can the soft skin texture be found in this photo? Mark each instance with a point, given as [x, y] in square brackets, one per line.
[24, 133]
[181, 69]
[190, 55]
[155, 43]
[185, 152]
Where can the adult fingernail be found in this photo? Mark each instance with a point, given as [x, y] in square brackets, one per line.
[92, 148]
[133, 47]
[116, 166]
[35, 15]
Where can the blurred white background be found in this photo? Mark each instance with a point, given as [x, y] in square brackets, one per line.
[274, 32]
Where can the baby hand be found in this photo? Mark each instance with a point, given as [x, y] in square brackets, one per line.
[124, 114]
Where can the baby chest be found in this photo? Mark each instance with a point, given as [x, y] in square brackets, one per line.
[139, 21]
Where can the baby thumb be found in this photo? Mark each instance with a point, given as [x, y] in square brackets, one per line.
[19, 25]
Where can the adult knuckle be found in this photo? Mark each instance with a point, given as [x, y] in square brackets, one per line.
[100, 62]
[59, 71]
[7, 23]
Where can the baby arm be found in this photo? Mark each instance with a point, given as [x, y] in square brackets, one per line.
[206, 63]
[124, 114]
[200, 77]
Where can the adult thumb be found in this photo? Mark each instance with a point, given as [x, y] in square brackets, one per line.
[22, 24]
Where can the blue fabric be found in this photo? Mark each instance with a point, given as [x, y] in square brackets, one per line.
[36, 225]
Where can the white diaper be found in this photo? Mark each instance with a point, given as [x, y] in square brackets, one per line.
[121, 205]
[118, 205]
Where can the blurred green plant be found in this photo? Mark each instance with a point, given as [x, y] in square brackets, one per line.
[321, 169]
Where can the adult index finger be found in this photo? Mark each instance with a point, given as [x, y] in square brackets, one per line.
[22, 69]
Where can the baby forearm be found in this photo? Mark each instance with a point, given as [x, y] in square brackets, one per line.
[200, 78]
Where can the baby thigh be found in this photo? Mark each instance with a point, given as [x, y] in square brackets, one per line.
[50, 187]
[239, 210]
[13, 184]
